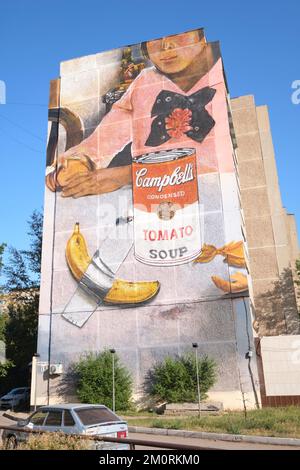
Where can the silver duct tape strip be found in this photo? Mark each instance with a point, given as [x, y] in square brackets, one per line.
[100, 274]
[98, 278]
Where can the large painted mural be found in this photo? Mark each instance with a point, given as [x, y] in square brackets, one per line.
[142, 228]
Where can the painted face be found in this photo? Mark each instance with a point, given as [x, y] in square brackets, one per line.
[173, 54]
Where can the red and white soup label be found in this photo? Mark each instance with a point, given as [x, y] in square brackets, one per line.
[166, 207]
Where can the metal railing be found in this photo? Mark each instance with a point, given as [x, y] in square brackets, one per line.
[131, 442]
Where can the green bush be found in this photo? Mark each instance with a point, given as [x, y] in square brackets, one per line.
[54, 441]
[5, 367]
[95, 380]
[175, 379]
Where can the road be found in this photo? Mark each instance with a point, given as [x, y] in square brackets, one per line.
[187, 441]
[223, 445]
[5, 421]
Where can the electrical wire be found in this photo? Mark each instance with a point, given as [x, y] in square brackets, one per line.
[21, 127]
[20, 142]
[25, 104]
[249, 357]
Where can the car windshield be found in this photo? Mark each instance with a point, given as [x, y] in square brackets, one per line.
[93, 415]
[38, 417]
[19, 391]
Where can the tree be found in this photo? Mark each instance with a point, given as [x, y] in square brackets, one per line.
[298, 275]
[5, 365]
[22, 271]
[16, 272]
[298, 271]
[175, 379]
[21, 330]
[3, 321]
[95, 380]
[5, 368]
[18, 325]
[35, 233]
[2, 248]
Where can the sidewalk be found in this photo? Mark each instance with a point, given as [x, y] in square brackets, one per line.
[280, 441]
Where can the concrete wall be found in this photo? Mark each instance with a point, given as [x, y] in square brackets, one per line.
[222, 329]
[291, 227]
[281, 365]
[271, 234]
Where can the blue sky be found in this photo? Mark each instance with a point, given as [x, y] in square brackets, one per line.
[260, 44]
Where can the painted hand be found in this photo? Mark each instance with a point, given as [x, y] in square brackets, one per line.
[69, 165]
[99, 181]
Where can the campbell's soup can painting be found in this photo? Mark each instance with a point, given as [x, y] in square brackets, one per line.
[166, 207]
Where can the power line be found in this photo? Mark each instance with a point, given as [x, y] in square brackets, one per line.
[25, 104]
[21, 143]
[21, 127]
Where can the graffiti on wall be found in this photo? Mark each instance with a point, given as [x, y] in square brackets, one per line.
[162, 142]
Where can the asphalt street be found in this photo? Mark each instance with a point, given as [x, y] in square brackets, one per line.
[222, 445]
[5, 421]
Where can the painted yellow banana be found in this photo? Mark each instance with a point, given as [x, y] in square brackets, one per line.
[122, 292]
[77, 255]
[126, 292]
[207, 254]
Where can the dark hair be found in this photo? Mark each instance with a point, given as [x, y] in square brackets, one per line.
[144, 43]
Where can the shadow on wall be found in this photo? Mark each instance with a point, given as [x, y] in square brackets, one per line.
[66, 387]
[276, 309]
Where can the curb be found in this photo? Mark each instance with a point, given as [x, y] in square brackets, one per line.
[217, 436]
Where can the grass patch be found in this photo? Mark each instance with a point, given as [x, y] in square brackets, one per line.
[137, 414]
[273, 422]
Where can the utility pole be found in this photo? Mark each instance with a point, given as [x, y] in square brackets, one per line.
[34, 378]
[195, 346]
[113, 380]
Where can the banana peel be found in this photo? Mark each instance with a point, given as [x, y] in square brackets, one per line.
[122, 292]
[232, 252]
[238, 283]
[207, 254]
[235, 261]
[232, 248]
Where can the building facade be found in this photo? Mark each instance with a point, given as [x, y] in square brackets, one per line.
[146, 223]
[271, 232]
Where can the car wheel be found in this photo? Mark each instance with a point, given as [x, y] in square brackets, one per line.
[11, 443]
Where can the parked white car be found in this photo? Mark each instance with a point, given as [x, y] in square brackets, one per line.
[85, 419]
